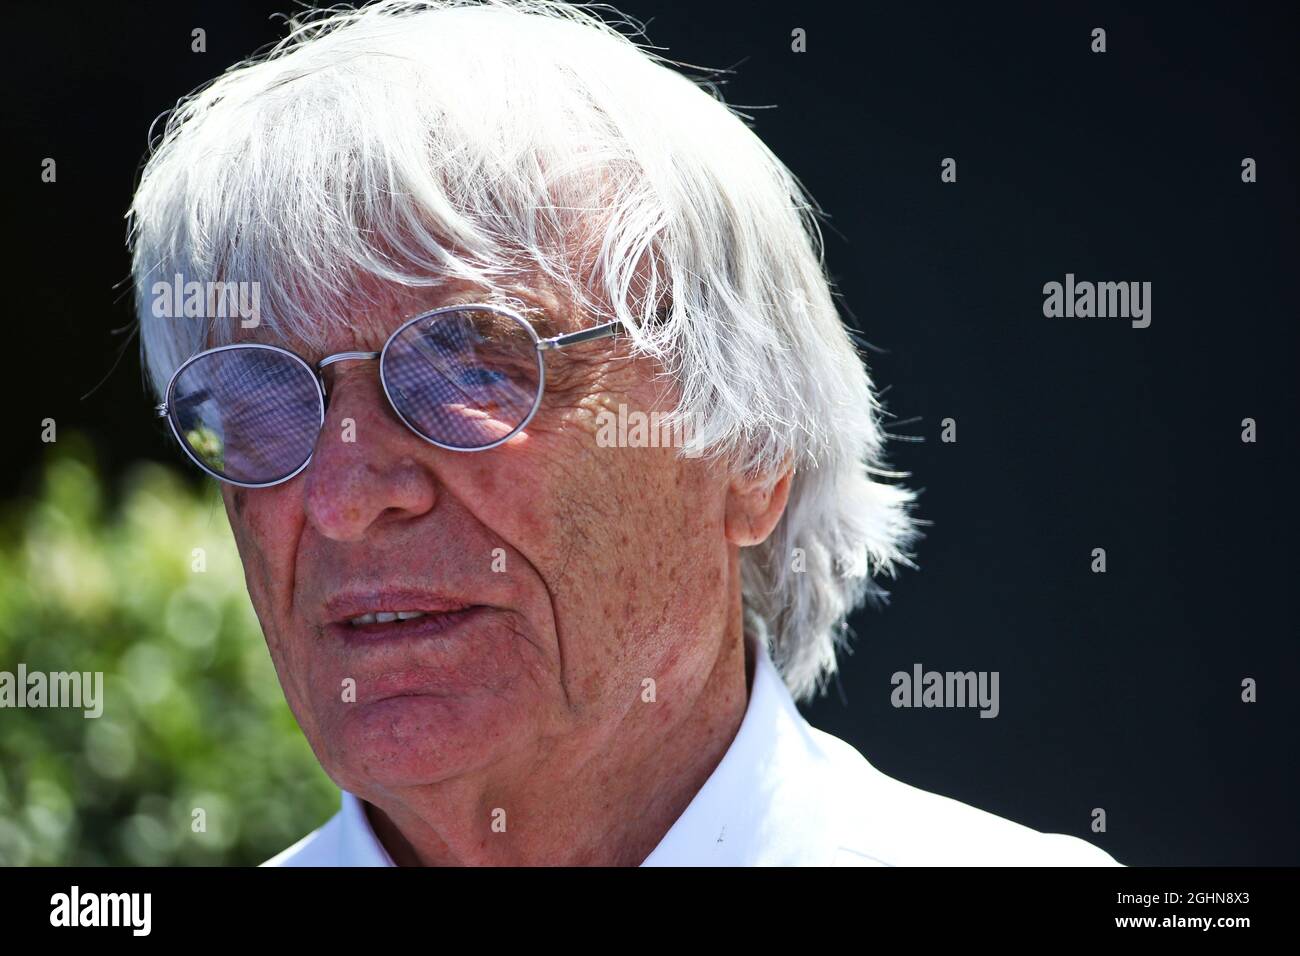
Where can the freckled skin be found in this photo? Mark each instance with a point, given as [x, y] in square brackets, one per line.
[621, 564]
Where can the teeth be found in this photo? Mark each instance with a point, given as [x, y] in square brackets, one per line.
[384, 617]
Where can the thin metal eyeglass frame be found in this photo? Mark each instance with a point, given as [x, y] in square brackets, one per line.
[554, 343]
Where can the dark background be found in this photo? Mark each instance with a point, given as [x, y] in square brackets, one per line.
[1118, 690]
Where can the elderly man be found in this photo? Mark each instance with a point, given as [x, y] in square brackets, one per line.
[476, 235]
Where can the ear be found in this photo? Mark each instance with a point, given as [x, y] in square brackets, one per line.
[755, 505]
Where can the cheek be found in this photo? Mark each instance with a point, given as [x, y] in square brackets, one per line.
[576, 508]
[265, 529]
[610, 531]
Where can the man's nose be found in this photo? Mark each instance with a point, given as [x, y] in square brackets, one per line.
[364, 469]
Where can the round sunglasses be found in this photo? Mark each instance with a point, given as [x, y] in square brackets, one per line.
[462, 377]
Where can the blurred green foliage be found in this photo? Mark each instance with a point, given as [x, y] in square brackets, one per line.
[193, 715]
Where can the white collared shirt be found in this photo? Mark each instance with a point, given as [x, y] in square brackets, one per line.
[784, 794]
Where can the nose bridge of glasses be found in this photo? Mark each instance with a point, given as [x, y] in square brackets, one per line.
[337, 357]
[345, 357]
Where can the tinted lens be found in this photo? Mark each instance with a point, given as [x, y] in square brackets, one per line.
[467, 378]
[249, 414]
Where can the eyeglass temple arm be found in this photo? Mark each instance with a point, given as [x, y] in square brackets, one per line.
[585, 335]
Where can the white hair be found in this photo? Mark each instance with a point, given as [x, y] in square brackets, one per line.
[415, 142]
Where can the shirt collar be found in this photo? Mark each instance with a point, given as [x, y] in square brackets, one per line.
[736, 817]
[359, 846]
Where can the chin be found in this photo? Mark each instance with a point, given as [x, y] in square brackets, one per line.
[416, 739]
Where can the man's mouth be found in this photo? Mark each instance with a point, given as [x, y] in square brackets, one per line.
[393, 625]
[385, 617]
[403, 614]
